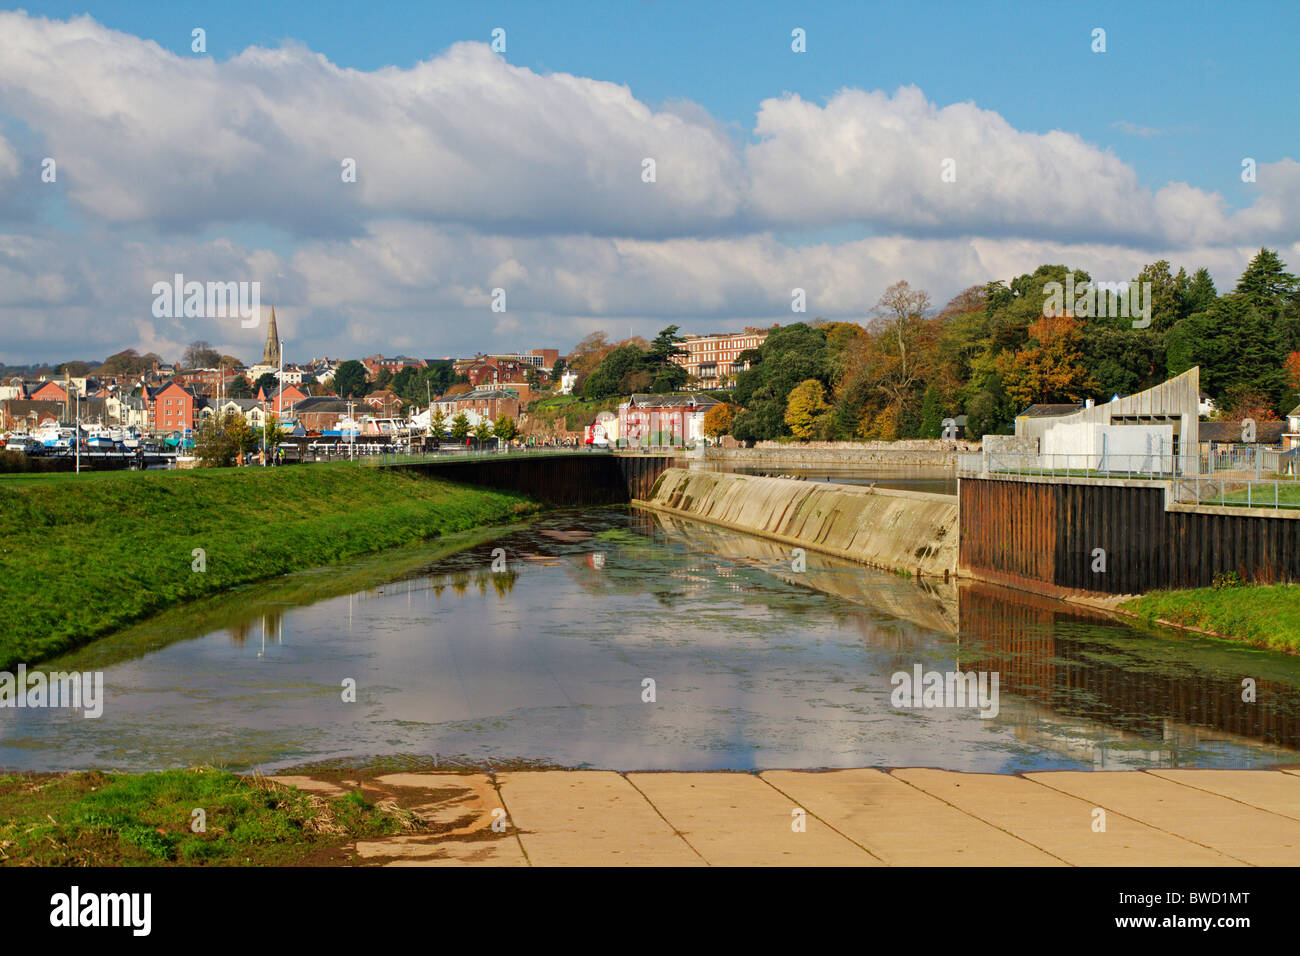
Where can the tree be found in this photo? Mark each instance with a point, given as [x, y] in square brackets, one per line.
[266, 383]
[607, 379]
[718, 419]
[1292, 370]
[274, 433]
[805, 408]
[438, 423]
[505, 429]
[788, 356]
[589, 353]
[350, 379]
[129, 363]
[382, 380]
[1200, 293]
[483, 430]
[665, 374]
[239, 388]
[1168, 293]
[1233, 344]
[1051, 368]
[200, 354]
[1242, 401]
[460, 426]
[1266, 284]
[558, 370]
[406, 384]
[221, 438]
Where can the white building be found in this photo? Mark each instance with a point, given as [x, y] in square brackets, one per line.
[1156, 431]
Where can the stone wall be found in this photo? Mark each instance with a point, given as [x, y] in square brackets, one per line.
[895, 530]
[928, 452]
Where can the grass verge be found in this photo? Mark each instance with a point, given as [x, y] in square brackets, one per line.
[83, 555]
[98, 819]
[1267, 615]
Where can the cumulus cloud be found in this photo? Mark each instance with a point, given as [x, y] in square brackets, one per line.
[180, 142]
[148, 136]
[473, 174]
[873, 157]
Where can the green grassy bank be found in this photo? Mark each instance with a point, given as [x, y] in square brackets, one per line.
[1267, 615]
[83, 555]
[97, 819]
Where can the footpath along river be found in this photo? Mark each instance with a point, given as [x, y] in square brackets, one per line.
[755, 666]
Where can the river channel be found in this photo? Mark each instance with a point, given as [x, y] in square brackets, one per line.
[539, 646]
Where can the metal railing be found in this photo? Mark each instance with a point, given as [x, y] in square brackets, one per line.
[1251, 487]
[1159, 466]
[404, 456]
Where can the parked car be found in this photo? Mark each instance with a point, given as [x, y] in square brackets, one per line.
[24, 443]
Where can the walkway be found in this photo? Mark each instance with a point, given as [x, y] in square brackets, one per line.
[906, 817]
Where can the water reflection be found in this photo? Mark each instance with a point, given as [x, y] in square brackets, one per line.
[535, 646]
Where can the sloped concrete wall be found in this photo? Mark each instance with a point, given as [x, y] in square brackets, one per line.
[896, 530]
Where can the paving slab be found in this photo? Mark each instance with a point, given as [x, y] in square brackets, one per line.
[1061, 824]
[457, 809]
[1269, 790]
[901, 825]
[589, 818]
[1252, 835]
[736, 819]
[322, 788]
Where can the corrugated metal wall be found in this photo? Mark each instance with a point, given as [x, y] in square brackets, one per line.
[1046, 535]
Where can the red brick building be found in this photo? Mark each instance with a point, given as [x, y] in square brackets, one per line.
[713, 358]
[486, 403]
[51, 391]
[394, 365]
[486, 372]
[175, 408]
[283, 400]
[207, 381]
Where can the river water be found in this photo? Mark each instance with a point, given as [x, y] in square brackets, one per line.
[754, 665]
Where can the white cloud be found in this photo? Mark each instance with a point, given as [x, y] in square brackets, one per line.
[426, 290]
[474, 173]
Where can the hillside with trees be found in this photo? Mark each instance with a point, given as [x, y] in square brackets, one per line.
[994, 350]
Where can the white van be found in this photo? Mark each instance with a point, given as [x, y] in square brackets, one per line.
[24, 443]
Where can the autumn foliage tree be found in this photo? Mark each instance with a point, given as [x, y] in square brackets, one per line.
[1050, 367]
[717, 420]
[806, 408]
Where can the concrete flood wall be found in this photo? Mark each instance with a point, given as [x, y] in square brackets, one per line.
[895, 530]
[562, 480]
[918, 453]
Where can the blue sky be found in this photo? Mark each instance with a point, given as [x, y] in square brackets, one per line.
[784, 161]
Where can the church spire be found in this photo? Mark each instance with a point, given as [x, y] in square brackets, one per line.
[271, 353]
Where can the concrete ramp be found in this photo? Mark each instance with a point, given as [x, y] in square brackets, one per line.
[896, 530]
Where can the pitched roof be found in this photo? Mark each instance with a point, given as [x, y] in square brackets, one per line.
[321, 403]
[674, 400]
[1048, 411]
[479, 394]
[1266, 433]
[1294, 412]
